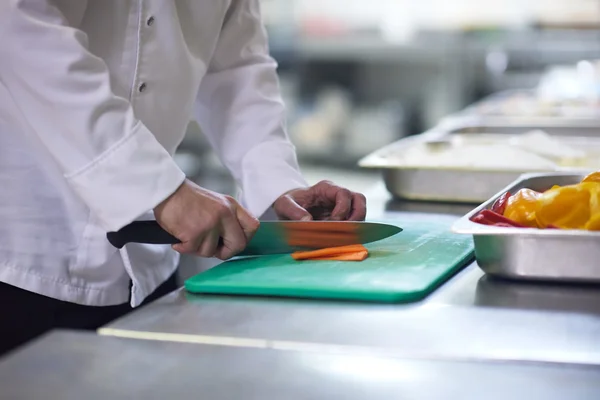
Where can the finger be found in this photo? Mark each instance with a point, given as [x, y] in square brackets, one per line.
[343, 204]
[287, 208]
[190, 246]
[359, 208]
[208, 246]
[247, 221]
[234, 239]
[182, 248]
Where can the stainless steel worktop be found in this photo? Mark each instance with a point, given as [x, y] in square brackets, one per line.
[469, 317]
[70, 365]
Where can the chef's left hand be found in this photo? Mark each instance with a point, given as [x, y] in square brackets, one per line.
[323, 201]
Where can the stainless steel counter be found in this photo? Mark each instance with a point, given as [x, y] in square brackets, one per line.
[471, 317]
[70, 365]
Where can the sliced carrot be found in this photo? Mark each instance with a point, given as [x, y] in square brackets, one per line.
[329, 251]
[357, 256]
[353, 252]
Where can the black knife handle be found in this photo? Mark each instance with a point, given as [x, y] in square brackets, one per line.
[141, 232]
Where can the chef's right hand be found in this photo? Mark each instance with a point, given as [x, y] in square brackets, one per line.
[199, 218]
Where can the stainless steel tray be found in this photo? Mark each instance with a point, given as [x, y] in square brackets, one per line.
[431, 184]
[534, 254]
[446, 185]
[583, 127]
[463, 185]
[477, 116]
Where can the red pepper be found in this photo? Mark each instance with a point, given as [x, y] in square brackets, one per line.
[489, 217]
[503, 225]
[500, 203]
[480, 219]
[499, 218]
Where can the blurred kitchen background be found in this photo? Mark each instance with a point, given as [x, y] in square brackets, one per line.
[357, 75]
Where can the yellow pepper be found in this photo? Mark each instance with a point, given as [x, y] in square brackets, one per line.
[593, 177]
[567, 207]
[521, 207]
[570, 207]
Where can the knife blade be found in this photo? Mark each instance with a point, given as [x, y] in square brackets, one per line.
[272, 237]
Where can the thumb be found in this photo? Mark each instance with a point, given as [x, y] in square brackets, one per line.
[287, 208]
[247, 221]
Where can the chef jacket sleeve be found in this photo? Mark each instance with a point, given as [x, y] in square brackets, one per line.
[109, 158]
[240, 109]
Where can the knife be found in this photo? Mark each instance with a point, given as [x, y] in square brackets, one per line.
[272, 237]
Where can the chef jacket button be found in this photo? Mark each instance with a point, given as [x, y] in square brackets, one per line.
[150, 21]
[142, 87]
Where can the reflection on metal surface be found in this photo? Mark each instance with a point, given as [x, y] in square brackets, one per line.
[76, 365]
[371, 368]
[499, 352]
[497, 292]
[427, 331]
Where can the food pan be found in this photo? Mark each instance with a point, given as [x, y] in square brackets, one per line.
[582, 127]
[455, 184]
[534, 254]
[435, 184]
[488, 112]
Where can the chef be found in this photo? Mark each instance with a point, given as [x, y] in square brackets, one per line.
[95, 97]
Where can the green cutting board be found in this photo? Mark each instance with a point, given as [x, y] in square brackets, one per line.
[402, 268]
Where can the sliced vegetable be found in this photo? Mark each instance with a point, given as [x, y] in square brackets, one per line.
[500, 219]
[489, 217]
[521, 207]
[560, 207]
[480, 219]
[355, 252]
[570, 207]
[593, 177]
[357, 256]
[500, 203]
[504, 225]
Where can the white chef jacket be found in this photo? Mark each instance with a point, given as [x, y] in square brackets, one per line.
[95, 97]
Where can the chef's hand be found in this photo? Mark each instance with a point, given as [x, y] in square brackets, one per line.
[323, 201]
[199, 218]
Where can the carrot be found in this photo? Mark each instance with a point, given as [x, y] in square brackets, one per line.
[357, 256]
[355, 252]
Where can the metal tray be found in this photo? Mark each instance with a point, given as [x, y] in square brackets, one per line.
[460, 185]
[587, 128]
[474, 113]
[534, 254]
[433, 184]
[583, 127]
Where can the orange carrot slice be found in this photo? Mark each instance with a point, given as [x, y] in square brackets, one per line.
[357, 256]
[355, 252]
